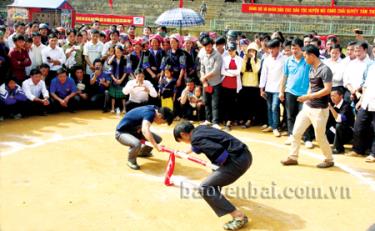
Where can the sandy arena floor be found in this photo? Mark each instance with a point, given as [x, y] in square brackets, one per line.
[67, 172]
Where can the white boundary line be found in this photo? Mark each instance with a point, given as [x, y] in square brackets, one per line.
[57, 138]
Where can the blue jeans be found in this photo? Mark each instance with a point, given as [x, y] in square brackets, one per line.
[273, 105]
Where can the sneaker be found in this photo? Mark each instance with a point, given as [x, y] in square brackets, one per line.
[133, 165]
[326, 164]
[288, 141]
[284, 133]
[247, 124]
[267, 129]
[17, 116]
[217, 126]
[353, 154]
[206, 122]
[276, 133]
[370, 159]
[289, 162]
[227, 128]
[236, 224]
[309, 144]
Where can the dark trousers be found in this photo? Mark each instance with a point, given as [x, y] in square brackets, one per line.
[36, 108]
[13, 109]
[72, 105]
[100, 100]
[210, 188]
[363, 136]
[229, 104]
[292, 108]
[249, 101]
[133, 141]
[212, 101]
[343, 135]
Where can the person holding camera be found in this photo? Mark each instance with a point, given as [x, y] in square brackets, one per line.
[100, 82]
[53, 55]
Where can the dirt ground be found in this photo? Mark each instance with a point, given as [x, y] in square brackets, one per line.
[67, 172]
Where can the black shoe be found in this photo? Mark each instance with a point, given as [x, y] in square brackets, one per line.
[337, 151]
[133, 165]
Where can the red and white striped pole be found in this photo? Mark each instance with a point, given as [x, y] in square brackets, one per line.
[181, 3]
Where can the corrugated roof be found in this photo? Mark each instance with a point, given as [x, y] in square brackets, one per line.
[49, 4]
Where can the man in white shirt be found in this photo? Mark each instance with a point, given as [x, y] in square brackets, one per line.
[53, 55]
[353, 76]
[92, 50]
[365, 117]
[36, 93]
[19, 28]
[35, 52]
[139, 91]
[272, 73]
[115, 41]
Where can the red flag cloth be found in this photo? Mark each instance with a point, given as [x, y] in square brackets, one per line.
[110, 3]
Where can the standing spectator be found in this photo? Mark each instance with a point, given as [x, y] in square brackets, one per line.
[191, 59]
[294, 84]
[152, 60]
[82, 82]
[162, 31]
[203, 9]
[315, 109]
[334, 62]
[73, 51]
[167, 88]
[63, 92]
[220, 46]
[92, 50]
[36, 51]
[211, 79]
[19, 29]
[272, 73]
[36, 92]
[139, 91]
[353, 76]
[53, 55]
[119, 78]
[249, 95]
[231, 85]
[131, 32]
[340, 124]
[4, 59]
[19, 59]
[115, 41]
[350, 55]
[43, 30]
[147, 31]
[136, 57]
[12, 99]
[365, 117]
[100, 82]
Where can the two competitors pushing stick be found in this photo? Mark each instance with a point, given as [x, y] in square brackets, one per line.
[231, 155]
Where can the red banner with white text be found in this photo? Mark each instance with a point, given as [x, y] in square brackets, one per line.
[109, 19]
[309, 10]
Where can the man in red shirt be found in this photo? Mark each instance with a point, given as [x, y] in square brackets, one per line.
[19, 58]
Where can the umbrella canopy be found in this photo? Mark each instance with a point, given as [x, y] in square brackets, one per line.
[180, 17]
